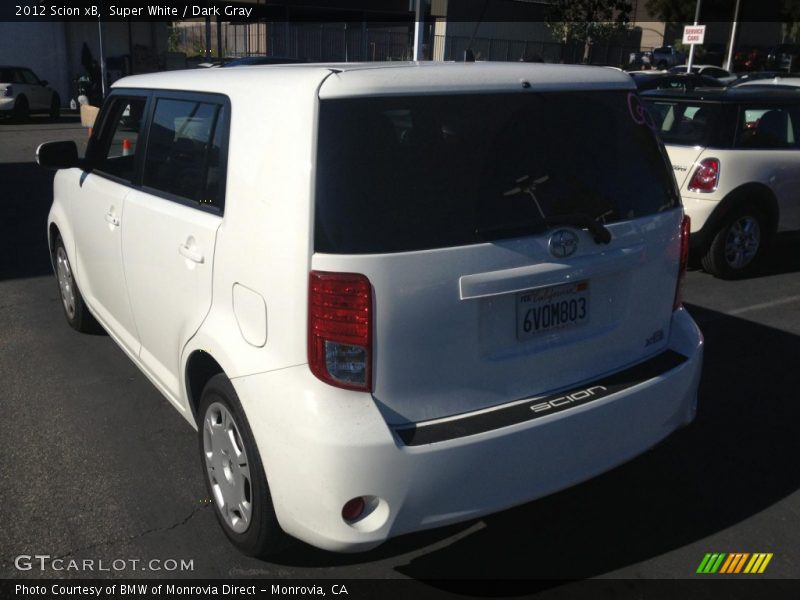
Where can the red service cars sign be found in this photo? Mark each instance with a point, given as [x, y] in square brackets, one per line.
[694, 34]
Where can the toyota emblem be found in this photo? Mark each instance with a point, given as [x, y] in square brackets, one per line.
[563, 243]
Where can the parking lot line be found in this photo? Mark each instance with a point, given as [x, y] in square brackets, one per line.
[763, 305]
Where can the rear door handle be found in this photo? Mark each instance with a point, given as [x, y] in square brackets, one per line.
[110, 218]
[192, 255]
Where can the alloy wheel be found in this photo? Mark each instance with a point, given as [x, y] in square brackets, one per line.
[66, 283]
[742, 242]
[227, 467]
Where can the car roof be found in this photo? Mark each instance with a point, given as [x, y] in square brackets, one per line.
[734, 95]
[773, 81]
[392, 78]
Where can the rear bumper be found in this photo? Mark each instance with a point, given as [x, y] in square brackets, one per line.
[321, 447]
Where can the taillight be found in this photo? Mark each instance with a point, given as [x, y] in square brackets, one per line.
[340, 329]
[686, 227]
[9, 91]
[706, 176]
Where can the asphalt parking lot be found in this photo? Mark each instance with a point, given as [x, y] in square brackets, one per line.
[96, 465]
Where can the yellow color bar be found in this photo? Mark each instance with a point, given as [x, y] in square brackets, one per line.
[751, 564]
[759, 563]
[765, 563]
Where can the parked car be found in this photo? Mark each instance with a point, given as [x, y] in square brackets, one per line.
[388, 296]
[667, 56]
[749, 58]
[736, 158]
[763, 77]
[249, 61]
[784, 57]
[640, 59]
[658, 80]
[717, 73]
[775, 82]
[23, 93]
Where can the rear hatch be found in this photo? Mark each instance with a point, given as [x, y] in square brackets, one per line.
[687, 127]
[468, 213]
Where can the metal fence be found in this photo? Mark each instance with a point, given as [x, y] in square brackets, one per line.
[358, 42]
[309, 41]
[610, 54]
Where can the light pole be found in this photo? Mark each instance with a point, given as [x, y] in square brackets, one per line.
[729, 62]
[691, 47]
[418, 31]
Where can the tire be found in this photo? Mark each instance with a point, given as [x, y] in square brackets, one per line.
[75, 310]
[737, 248]
[234, 474]
[21, 109]
[55, 107]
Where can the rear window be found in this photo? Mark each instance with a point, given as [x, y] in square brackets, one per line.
[684, 123]
[418, 172]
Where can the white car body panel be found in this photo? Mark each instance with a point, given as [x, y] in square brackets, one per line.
[96, 214]
[438, 484]
[168, 254]
[444, 353]
[444, 320]
[779, 170]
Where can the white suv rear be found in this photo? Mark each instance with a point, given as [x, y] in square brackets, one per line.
[390, 297]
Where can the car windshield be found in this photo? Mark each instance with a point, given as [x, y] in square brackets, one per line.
[417, 172]
[684, 123]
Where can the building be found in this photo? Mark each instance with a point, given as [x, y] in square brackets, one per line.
[54, 50]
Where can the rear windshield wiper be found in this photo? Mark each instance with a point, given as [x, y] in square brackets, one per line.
[599, 232]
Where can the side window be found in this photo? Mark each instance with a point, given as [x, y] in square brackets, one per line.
[766, 128]
[29, 78]
[119, 140]
[184, 150]
[683, 123]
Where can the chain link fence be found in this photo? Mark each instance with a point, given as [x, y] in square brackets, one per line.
[335, 42]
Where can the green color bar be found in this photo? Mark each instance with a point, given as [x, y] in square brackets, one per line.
[718, 563]
[701, 568]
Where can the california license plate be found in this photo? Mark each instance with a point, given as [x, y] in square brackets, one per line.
[552, 308]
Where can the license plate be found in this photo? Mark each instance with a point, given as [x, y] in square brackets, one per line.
[552, 308]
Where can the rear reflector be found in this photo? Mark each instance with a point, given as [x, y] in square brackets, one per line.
[353, 509]
[340, 329]
[706, 176]
[686, 227]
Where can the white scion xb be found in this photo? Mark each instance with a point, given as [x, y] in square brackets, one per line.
[388, 296]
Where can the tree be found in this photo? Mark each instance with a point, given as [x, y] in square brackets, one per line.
[672, 11]
[586, 21]
[790, 16]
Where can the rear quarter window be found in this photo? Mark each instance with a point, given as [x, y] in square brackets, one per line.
[410, 173]
[685, 123]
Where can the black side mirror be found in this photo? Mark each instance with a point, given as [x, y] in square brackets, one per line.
[57, 155]
[43, 82]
